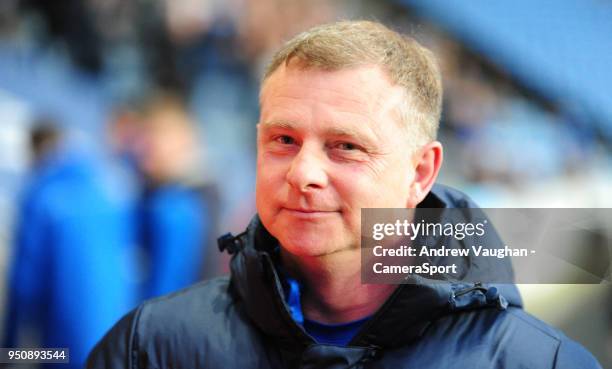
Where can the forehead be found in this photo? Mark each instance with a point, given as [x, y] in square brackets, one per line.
[363, 91]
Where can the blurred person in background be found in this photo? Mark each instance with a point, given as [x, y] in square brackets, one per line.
[174, 213]
[71, 272]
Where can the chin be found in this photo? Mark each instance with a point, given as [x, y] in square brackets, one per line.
[301, 246]
[313, 244]
[308, 238]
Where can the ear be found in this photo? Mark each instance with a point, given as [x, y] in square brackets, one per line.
[427, 162]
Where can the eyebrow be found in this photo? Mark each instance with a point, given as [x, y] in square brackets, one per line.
[277, 124]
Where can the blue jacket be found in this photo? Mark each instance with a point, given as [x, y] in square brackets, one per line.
[71, 275]
[174, 225]
[245, 322]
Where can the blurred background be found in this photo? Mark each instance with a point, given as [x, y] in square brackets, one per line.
[127, 140]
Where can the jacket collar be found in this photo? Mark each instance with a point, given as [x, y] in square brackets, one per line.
[402, 318]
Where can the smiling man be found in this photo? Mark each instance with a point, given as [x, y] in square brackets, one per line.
[327, 147]
[349, 114]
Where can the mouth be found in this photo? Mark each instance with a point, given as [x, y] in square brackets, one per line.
[309, 213]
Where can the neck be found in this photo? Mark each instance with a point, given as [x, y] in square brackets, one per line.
[332, 291]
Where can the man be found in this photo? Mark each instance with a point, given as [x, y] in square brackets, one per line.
[173, 214]
[349, 113]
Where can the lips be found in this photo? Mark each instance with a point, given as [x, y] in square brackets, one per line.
[309, 210]
[308, 213]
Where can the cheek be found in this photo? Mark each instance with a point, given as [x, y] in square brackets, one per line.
[263, 189]
[268, 184]
[387, 187]
[355, 185]
[269, 174]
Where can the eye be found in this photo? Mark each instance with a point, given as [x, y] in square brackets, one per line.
[348, 151]
[285, 140]
[347, 146]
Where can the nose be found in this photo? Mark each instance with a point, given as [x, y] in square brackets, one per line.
[308, 170]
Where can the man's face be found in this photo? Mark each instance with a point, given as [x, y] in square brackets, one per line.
[329, 143]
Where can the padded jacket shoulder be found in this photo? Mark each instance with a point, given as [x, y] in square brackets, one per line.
[202, 327]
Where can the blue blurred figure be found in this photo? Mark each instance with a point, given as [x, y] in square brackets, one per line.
[174, 214]
[72, 272]
[173, 231]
